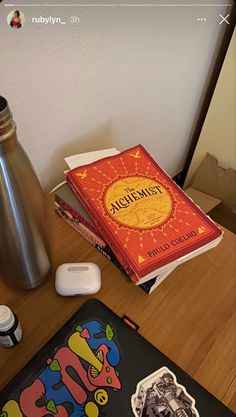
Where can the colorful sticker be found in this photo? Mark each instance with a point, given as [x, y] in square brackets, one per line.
[160, 395]
[77, 379]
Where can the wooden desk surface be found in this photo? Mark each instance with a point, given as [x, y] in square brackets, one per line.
[190, 317]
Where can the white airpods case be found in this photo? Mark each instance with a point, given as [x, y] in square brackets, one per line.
[78, 279]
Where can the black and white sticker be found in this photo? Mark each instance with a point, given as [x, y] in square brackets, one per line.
[160, 395]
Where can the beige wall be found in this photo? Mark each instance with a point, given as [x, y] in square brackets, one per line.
[122, 76]
[218, 135]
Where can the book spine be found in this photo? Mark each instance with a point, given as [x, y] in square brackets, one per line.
[120, 258]
[105, 251]
[76, 214]
[79, 226]
[89, 235]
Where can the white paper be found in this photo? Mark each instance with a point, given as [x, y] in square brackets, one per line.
[89, 157]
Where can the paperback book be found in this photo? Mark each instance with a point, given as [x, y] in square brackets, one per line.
[148, 221]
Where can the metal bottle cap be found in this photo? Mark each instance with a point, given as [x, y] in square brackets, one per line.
[7, 126]
[3, 103]
[6, 318]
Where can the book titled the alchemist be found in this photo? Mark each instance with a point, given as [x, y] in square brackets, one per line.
[148, 221]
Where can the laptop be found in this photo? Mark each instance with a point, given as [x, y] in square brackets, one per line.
[98, 365]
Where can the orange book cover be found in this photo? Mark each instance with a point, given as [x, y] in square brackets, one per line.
[148, 220]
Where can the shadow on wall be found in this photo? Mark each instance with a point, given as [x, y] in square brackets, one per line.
[101, 138]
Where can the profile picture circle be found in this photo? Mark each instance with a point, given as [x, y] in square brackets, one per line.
[15, 19]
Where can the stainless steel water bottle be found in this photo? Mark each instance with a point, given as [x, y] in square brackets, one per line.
[24, 255]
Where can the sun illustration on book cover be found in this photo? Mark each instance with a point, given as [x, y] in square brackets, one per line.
[136, 199]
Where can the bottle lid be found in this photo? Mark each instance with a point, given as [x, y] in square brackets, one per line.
[6, 318]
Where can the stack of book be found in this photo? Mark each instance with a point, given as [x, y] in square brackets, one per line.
[134, 214]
